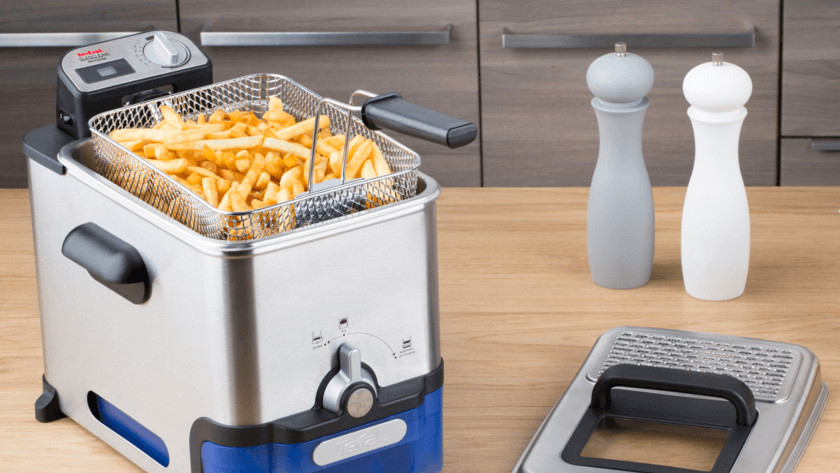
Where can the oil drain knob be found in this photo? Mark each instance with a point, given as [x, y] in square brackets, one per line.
[352, 386]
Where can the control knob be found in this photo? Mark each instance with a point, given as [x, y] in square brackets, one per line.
[352, 388]
[165, 51]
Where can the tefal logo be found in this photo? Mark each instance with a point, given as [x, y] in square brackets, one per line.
[88, 53]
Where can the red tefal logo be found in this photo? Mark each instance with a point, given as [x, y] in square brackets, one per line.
[88, 53]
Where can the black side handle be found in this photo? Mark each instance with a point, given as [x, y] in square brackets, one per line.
[109, 260]
[42, 146]
[390, 111]
[676, 380]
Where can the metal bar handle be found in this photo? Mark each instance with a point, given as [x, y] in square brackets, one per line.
[825, 145]
[57, 40]
[737, 39]
[328, 38]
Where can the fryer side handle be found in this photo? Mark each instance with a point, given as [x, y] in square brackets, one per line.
[109, 260]
[676, 380]
[391, 112]
[42, 146]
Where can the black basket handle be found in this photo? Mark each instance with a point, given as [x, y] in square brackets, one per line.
[390, 111]
[676, 380]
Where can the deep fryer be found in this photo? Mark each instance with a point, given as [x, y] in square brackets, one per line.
[310, 346]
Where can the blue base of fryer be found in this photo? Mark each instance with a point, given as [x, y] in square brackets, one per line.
[420, 451]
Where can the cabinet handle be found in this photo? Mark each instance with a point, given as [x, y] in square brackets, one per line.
[739, 39]
[56, 40]
[825, 145]
[328, 38]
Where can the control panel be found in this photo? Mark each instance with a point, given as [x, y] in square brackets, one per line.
[135, 68]
[130, 59]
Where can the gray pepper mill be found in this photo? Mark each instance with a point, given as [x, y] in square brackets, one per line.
[619, 219]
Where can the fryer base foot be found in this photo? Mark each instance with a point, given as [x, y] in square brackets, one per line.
[46, 407]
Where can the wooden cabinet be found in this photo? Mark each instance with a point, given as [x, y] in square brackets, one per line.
[810, 162]
[810, 92]
[28, 74]
[811, 68]
[537, 123]
[443, 77]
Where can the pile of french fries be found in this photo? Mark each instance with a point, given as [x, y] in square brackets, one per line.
[239, 162]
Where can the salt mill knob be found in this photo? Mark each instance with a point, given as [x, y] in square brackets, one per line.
[619, 219]
[717, 86]
[715, 249]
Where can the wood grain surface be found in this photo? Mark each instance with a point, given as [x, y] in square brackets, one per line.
[538, 126]
[443, 78]
[519, 314]
[811, 68]
[28, 75]
[803, 166]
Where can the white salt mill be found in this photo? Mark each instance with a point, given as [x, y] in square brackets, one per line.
[716, 219]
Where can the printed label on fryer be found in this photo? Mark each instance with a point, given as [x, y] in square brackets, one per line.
[359, 442]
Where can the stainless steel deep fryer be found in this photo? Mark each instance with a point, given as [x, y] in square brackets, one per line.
[300, 337]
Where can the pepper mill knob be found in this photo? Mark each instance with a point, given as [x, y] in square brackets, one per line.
[620, 77]
[717, 86]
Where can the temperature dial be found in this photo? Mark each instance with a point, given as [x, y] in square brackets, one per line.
[165, 51]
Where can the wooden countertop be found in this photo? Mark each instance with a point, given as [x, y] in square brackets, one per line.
[519, 314]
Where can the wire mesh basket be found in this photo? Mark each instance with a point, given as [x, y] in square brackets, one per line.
[248, 93]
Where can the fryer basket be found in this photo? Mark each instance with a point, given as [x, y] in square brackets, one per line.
[248, 93]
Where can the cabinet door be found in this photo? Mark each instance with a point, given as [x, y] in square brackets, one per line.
[811, 68]
[538, 126]
[810, 162]
[28, 74]
[442, 75]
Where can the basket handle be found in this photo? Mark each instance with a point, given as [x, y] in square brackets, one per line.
[391, 112]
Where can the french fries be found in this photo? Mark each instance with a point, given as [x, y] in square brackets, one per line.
[238, 162]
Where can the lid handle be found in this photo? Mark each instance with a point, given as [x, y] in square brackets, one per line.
[676, 380]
